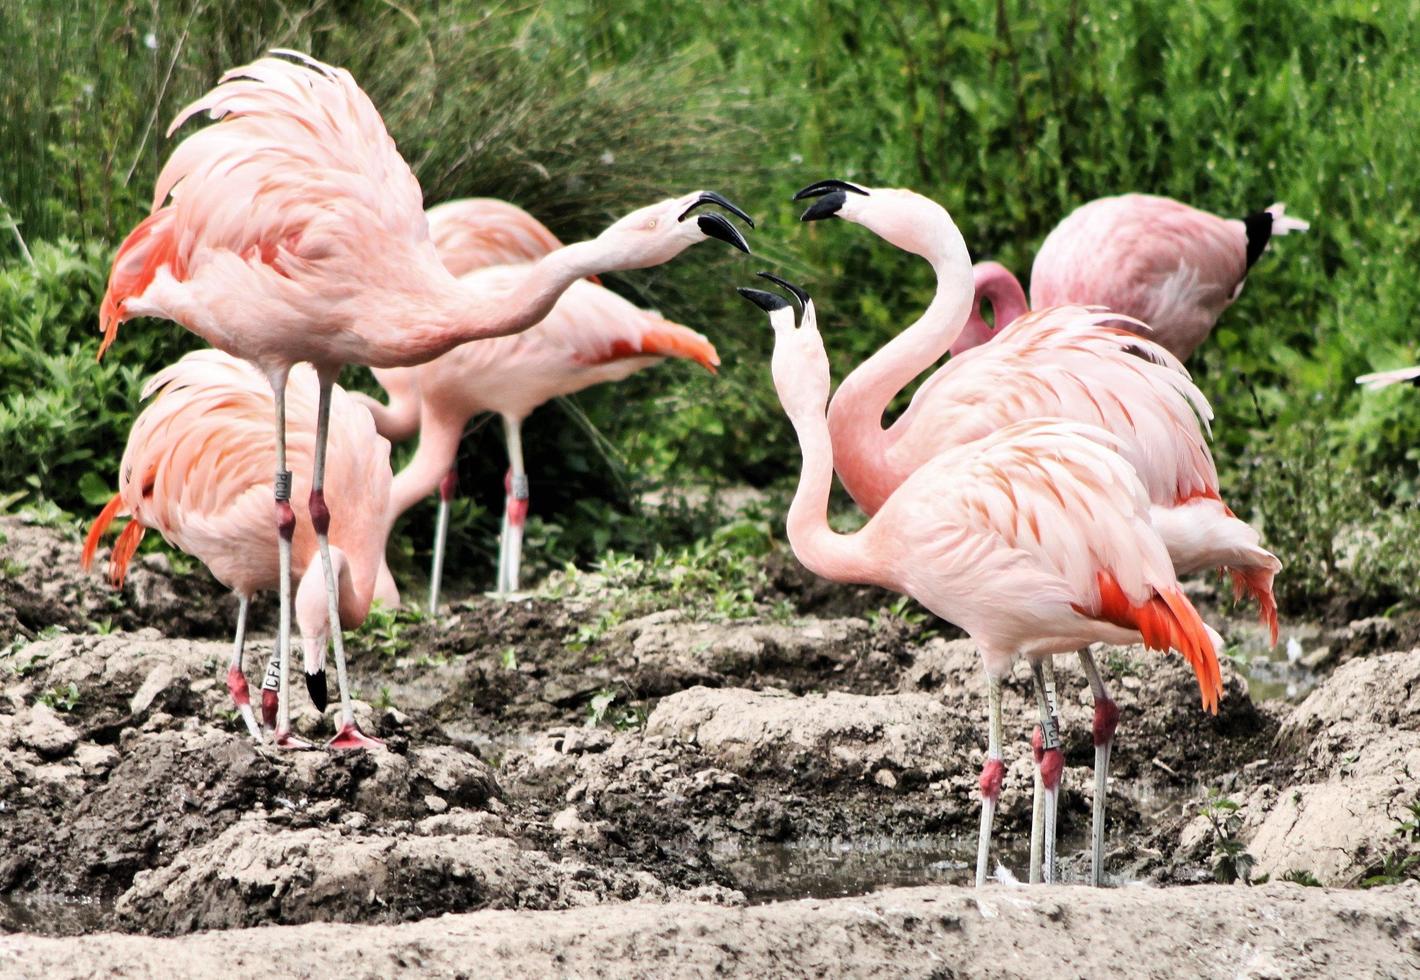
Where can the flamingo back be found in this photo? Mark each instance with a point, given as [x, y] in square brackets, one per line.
[478, 232]
[199, 462]
[1067, 362]
[1043, 509]
[297, 175]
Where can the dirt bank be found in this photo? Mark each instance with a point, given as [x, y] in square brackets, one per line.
[587, 763]
[1209, 931]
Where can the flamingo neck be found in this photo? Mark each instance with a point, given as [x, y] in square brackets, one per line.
[436, 453]
[994, 284]
[466, 311]
[825, 552]
[855, 416]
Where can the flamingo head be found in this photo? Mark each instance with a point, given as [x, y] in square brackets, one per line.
[899, 216]
[659, 232]
[800, 364]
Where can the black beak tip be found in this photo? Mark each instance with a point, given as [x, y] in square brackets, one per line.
[714, 226]
[800, 295]
[822, 187]
[316, 687]
[767, 302]
[825, 207]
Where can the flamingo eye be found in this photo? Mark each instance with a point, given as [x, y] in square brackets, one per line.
[651, 225]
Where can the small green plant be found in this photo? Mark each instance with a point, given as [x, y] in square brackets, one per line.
[603, 708]
[61, 699]
[1231, 861]
[1301, 876]
[10, 568]
[386, 631]
[509, 658]
[385, 700]
[1403, 861]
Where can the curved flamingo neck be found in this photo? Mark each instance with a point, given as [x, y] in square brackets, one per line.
[994, 284]
[855, 416]
[465, 311]
[823, 551]
[437, 451]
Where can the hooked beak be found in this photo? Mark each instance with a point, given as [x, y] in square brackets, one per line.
[316, 687]
[770, 302]
[831, 195]
[716, 225]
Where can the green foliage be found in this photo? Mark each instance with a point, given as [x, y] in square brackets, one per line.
[715, 578]
[61, 698]
[1009, 113]
[386, 632]
[1403, 860]
[1231, 861]
[1301, 876]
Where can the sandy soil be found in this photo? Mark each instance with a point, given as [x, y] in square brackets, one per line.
[828, 754]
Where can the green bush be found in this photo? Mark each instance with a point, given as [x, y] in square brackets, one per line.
[1009, 113]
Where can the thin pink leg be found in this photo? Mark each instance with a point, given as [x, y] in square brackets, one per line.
[285, 531]
[349, 735]
[992, 772]
[1106, 721]
[236, 679]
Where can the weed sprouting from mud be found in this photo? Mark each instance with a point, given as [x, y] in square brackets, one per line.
[61, 698]
[1403, 861]
[1231, 861]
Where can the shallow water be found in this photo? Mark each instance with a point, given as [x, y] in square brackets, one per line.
[1275, 673]
[52, 915]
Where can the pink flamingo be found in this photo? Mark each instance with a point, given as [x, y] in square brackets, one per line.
[591, 336]
[1384, 379]
[1155, 259]
[197, 469]
[1034, 539]
[1061, 362]
[294, 231]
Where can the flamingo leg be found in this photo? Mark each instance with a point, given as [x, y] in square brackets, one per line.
[285, 531]
[348, 736]
[515, 509]
[1050, 766]
[1037, 823]
[447, 486]
[1106, 720]
[236, 679]
[992, 772]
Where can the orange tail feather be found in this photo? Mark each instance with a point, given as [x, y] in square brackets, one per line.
[147, 248]
[123, 551]
[96, 531]
[1167, 620]
[662, 338]
[1257, 582]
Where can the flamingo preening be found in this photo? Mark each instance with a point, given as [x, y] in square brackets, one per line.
[1035, 539]
[197, 469]
[292, 230]
[1154, 259]
[591, 335]
[1065, 362]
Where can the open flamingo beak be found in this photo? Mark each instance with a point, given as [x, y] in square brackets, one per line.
[716, 225]
[831, 195]
[769, 302]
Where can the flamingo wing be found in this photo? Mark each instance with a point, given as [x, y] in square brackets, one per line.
[478, 232]
[298, 173]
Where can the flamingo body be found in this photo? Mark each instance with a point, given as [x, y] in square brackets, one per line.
[1173, 267]
[1067, 362]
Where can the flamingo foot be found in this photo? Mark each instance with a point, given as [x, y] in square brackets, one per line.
[350, 737]
[288, 740]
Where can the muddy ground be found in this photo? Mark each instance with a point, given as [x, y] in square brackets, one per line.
[582, 785]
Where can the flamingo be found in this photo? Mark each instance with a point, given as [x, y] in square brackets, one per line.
[1155, 259]
[592, 335]
[294, 231]
[1384, 379]
[1064, 362]
[197, 469]
[1035, 539]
